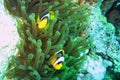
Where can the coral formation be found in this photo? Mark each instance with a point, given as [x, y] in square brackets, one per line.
[105, 41]
[95, 69]
[38, 45]
[8, 38]
[111, 9]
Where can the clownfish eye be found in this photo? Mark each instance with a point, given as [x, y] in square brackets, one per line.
[37, 24]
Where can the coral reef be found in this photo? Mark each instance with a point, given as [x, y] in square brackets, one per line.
[106, 5]
[66, 31]
[112, 12]
[95, 69]
[105, 41]
[8, 38]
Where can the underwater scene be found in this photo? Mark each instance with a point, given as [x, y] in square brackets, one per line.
[59, 39]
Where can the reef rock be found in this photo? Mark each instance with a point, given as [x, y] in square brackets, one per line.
[104, 39]
[8, 38]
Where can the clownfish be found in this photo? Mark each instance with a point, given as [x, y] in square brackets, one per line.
[44, 21]
[58, 60]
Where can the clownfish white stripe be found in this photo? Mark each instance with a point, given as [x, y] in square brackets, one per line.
[46, 16]
[61, 59]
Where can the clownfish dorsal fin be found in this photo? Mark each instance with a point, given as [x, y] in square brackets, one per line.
[38, 18]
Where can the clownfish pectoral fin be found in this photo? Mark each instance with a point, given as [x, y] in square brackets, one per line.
[63, 65]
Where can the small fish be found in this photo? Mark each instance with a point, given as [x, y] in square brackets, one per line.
[44, 21]
[58, 60]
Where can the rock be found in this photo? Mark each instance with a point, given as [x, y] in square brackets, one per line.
[111, 9]
[106, 5]
[104, 41]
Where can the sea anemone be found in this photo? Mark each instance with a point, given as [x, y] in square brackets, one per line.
[37, 46]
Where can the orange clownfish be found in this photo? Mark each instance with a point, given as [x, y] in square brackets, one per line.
[58, 60]
[44, 21]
